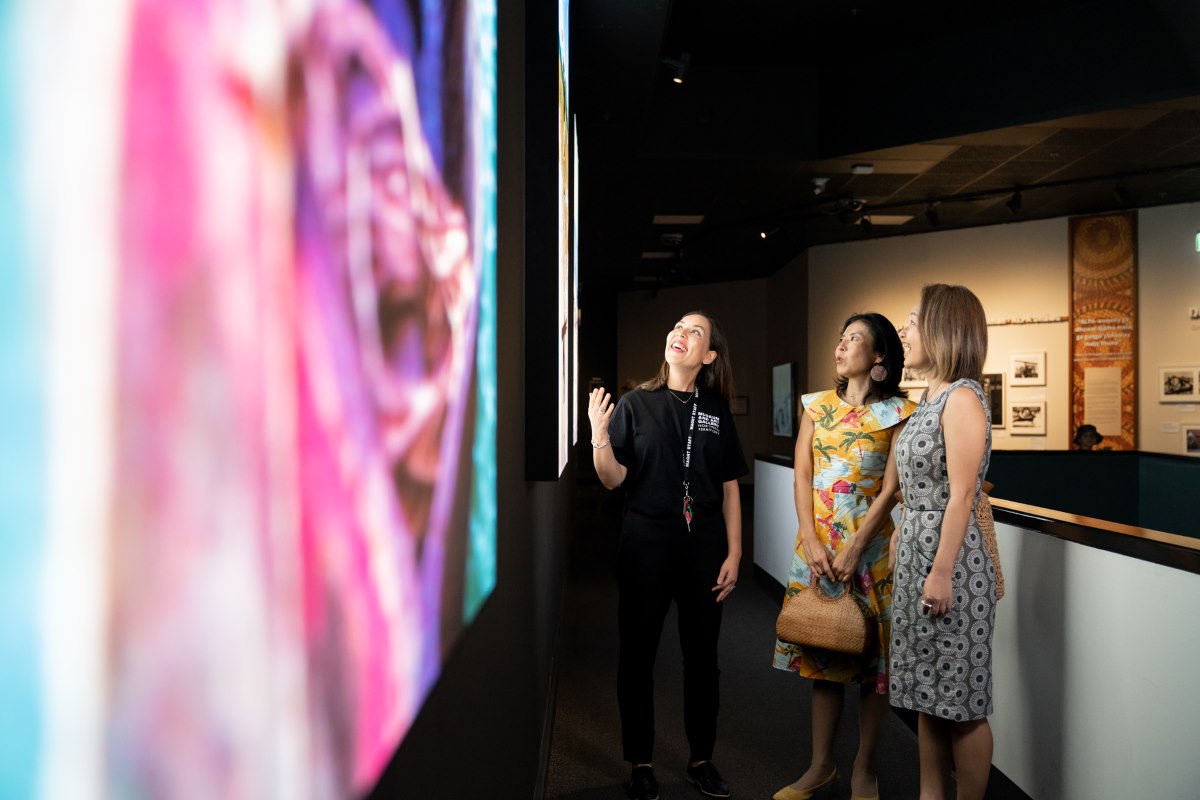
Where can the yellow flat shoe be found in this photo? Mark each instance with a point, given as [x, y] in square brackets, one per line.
[788, 793]
[875, 796]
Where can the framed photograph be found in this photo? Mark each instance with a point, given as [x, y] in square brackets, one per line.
[911, 379]
[740, 405]
[783, 408]
[1178, 384]
[1027, 418]
[1028, 369]
[1191, 442]
[993, 390]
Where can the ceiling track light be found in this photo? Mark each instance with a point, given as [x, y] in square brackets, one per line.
[768, 233]
[678, 66]
[1014, 203]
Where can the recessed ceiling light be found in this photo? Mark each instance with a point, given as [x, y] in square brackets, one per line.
[677, 219]
[890, 219]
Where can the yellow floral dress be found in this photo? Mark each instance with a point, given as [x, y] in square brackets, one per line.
[850, 451]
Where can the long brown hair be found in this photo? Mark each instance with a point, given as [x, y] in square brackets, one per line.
[715, 377]
[953, 331]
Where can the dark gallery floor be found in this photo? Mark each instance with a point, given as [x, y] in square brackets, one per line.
[764, 738]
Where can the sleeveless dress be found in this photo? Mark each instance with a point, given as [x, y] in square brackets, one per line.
[850, 451]
[940, 666]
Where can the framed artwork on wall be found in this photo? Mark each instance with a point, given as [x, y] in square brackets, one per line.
[1028, 369]
[993, 390]
[1027, 418]
[912, 379]
[1178, 384]
[1191, 442]
[783, 412]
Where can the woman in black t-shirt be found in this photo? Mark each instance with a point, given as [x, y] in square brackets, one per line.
[672, 444]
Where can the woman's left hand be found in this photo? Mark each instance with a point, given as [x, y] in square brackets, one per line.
[845, 564]
[727, 579]
[936, 598]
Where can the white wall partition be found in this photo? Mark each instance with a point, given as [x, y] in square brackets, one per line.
[775, 522]
[1094, 661]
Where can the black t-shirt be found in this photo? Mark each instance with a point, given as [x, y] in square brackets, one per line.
[648, 432]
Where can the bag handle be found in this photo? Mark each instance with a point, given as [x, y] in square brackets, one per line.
[825, 596]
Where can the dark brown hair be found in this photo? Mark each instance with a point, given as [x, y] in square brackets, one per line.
[715, 377]
[885, 342]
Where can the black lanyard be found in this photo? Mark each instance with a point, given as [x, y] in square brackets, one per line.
[687, 461]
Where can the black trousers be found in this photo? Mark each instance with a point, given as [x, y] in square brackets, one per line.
[660, 560]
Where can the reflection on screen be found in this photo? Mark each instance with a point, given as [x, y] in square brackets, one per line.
[249, 319]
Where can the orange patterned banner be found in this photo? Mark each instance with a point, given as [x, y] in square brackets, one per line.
[1104, 331]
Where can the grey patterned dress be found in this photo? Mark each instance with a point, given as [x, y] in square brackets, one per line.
[940, 666]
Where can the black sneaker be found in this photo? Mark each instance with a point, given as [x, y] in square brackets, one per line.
[642, 785]
[704, 776]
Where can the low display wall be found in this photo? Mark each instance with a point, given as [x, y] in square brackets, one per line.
[1092, 649]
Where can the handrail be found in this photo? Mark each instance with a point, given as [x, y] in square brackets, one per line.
[1158, 547]
[1175, 539]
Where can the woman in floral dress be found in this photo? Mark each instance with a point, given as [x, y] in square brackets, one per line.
[844, 492]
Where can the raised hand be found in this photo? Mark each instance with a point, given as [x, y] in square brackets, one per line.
[600, 409]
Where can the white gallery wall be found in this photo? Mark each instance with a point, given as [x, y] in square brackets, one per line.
[1167, 336]
[1021, 271]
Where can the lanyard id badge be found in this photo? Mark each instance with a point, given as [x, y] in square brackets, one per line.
[687, 463]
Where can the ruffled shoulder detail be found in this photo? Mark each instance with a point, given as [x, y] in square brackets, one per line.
[809, 401]
[826, 408]
[886, 413]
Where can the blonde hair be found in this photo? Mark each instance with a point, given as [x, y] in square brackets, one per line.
[953, 331]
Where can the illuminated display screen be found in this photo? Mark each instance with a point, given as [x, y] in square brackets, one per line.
[249, 379]
[566, 286]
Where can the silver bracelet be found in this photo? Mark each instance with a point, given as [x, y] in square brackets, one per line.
[600, 446]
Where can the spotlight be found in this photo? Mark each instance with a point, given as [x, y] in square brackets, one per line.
[865, 223]
[1014, 203]
[678, 66]
[765, 234]
[931, 214]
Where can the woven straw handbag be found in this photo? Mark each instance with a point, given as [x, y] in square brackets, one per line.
[987, 527]
[812, 618]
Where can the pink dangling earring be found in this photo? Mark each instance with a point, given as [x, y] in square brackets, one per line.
[878, 373]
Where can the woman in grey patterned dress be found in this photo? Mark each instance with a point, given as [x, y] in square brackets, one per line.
[944, 594]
